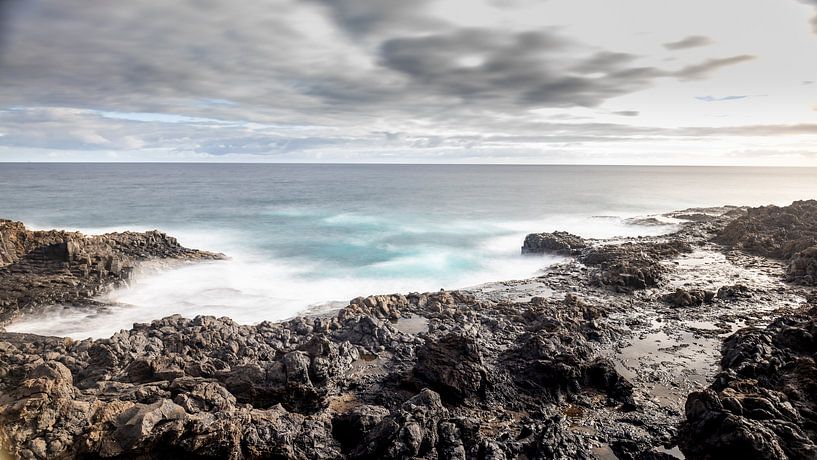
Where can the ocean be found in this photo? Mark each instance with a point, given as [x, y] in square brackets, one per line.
[305, 235]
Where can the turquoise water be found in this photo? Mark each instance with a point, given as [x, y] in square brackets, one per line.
[302, 235]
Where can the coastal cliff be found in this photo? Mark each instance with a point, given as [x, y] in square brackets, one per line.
[640, 348]
[40, 268]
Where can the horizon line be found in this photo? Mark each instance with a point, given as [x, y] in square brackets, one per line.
[670, 165]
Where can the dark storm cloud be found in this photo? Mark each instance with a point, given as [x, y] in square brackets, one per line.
[361, 17]
[281, 76]
[693, 41]
[527, 69]
[603, 61]
[705, 69]
[147, 56]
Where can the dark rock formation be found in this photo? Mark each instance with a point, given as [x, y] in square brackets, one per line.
[562, 243]
[39, 268]
[452, 366]
[688, 298]
[347, 386]
[772, 231]
[802, 268]
[764, 403]
[735, 291]
[630, 266]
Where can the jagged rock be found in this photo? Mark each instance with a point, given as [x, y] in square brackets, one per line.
[453, 367]
[735, 291]
[350, 427]
[41, 268]
[688, 298]
[802, 268]
[562, 243]
[772, 231]
[411, 432]
[297, 389]
[631, 266]
[763, 404]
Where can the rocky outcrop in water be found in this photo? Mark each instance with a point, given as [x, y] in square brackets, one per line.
[561, 243]
[40, 268]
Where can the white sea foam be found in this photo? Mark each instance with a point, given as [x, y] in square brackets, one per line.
[255, 286]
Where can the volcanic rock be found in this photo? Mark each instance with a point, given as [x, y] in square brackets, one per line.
[631, 266]
[772, 231]
[562, 243]
[802, 268]
[41, 268]
[763, 405]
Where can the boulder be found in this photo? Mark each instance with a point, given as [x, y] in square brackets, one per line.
[802, 268]
[772, 231]
[688, 298]
[631, 266]
[561, 243]
[453, 367]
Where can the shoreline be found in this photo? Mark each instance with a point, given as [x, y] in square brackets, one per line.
[616, 338]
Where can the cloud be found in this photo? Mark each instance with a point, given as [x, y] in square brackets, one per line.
[813, 19]
[705, 69]
[362, 17]
[283, 78]
[719, 99]
[525, 69]
[809, 129]
[692, 41]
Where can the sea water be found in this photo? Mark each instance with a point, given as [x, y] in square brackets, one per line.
[300, 236]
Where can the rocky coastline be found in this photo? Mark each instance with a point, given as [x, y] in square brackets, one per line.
[700, 343]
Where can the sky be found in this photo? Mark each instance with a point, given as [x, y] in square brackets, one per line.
[726, 82]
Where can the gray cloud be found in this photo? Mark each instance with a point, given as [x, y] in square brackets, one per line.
[704, 69]
[525, 69]
[282, 76]
[813, 19]
[753, 130]
[362, 17]
[693, 41]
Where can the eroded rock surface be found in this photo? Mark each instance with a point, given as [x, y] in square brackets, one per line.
[764, 402]
[561, 243]
[631, 266]
[772, 231]
[349, 385]
[40, 268]
[802, 268]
